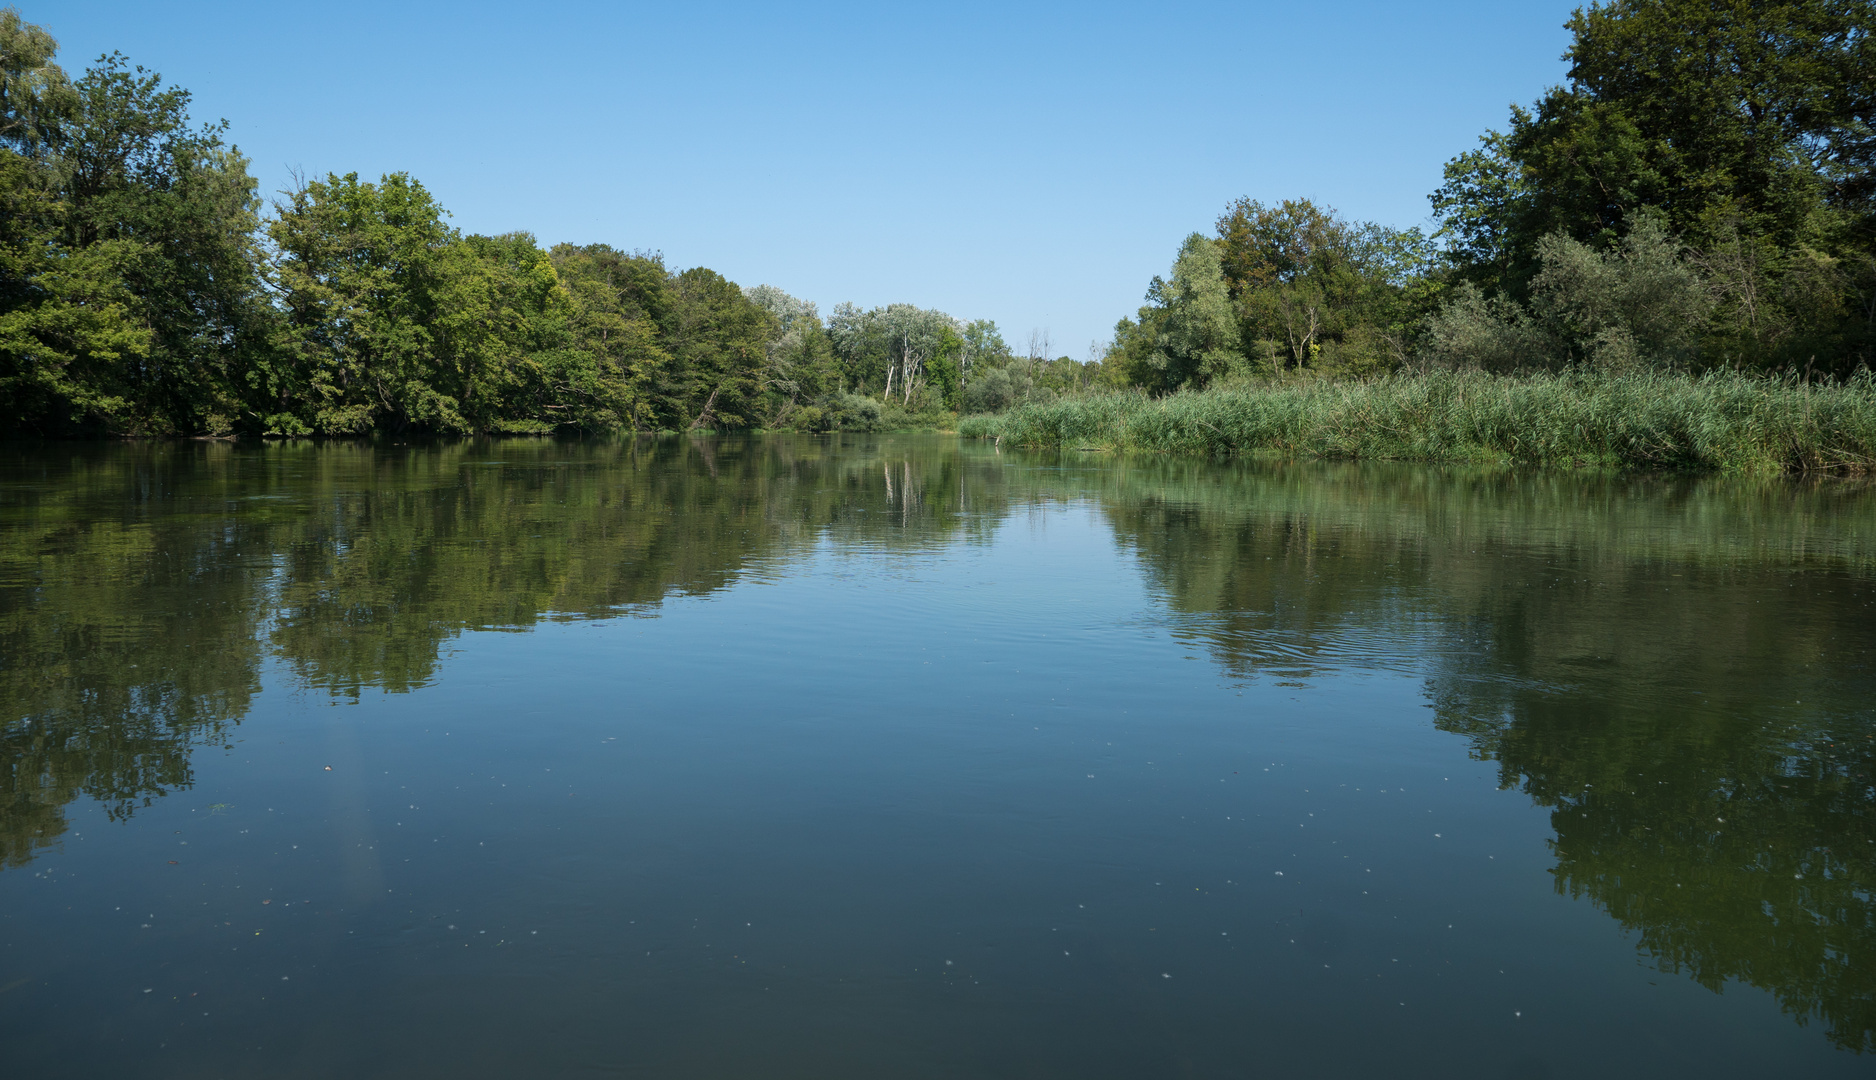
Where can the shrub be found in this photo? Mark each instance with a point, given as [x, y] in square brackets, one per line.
[857, 413]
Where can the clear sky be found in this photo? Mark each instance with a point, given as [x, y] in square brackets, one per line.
[1032, 163]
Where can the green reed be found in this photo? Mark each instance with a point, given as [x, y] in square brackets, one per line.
[1720, 421]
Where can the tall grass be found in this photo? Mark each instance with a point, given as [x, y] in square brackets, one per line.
[1720, 421]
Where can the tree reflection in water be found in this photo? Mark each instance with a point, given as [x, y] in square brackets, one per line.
[1679, 668]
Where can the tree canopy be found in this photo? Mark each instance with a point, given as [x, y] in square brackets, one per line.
[145, 289]
[1698, 193]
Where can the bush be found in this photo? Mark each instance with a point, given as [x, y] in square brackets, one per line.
[992, 391]
[1490, 333]
[857, 412]
[1639, 306]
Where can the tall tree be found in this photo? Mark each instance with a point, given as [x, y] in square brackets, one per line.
[718, 340]
[129, 296]
[36, 97]
[359, 269]
[617, 300]
[801, 368]
[1747, 124]
[1187, 333]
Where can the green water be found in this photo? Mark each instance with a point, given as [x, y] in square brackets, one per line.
[898, 756]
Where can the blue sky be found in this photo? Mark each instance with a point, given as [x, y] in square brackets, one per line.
[1035, 164]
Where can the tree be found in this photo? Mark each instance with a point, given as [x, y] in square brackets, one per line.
[1640, 304]
[36, 97]
[1187, 334]
[1746, 125]
[1321, 290]
[358, 268]
[801, 368]
[132, 301]
[718, 340]
[66, 323]
[983, 347]
[890, 347]
[615, 300]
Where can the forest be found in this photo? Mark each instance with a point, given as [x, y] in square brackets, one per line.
[147, 288]
[1698, 196]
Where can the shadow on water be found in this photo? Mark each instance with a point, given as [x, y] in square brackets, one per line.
[1679, 669]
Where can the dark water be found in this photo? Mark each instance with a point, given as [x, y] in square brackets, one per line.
[899, 757]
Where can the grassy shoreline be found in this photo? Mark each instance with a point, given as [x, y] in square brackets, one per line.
[1718, 422]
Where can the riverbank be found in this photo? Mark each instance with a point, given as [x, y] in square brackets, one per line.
[1717, 422]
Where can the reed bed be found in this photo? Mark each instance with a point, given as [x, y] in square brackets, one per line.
[1717, 422]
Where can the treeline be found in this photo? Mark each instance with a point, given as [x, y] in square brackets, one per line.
[146, 289]
[1699, 194]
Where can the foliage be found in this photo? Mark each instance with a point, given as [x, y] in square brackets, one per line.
[1187, 334]
[1701, 193]
[129, 297]
[902, 349]
[1287, 288]
[1637, 306]
[1746, 127]
[66, 324]
[1315, 290]
[801, 371]
[1641, 420]
[36, 97]
[143, 293]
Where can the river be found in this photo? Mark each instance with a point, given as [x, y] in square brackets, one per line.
[866, 756]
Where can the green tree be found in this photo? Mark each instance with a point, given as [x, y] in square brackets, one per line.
[718, 340]
[1187, 334]
[138, 174]
[614, 301]
[359, 269]
[1640, 304]
[66, 321]
[1746, 124]
[36, 97]
[1315, 290]
[801, 371]
[887, 350]
[131, 300]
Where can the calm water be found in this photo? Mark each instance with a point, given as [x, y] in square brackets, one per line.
[900, 757]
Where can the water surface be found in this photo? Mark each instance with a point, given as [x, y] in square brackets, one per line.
[896, 756]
